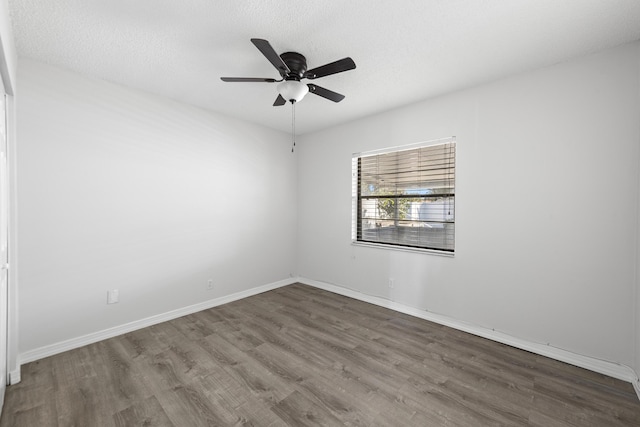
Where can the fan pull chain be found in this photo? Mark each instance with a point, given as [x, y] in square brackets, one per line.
[293, 125]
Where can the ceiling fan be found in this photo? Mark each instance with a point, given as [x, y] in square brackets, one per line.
[292, 67]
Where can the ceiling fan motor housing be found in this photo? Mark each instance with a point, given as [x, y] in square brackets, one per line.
[297, 64]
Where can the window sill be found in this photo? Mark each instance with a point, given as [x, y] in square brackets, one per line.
[404, 249]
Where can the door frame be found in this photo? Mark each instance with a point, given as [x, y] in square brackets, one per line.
[13, 363]
[8, 71]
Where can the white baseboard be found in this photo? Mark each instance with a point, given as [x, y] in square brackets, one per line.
[59, 347]
[14, 376]
[615, 370]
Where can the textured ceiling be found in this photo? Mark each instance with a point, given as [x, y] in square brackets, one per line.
[405, 50]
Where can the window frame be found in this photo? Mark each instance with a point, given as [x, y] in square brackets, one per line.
[356, 216]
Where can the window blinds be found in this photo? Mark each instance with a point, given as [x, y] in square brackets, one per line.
[406, 197]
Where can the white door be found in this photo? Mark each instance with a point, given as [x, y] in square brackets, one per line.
[4, 247]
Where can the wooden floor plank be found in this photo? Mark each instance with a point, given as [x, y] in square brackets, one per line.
[298, 410]
[146, 413]
[302, 356]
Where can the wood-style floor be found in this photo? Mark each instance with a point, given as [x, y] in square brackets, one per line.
[301, 356]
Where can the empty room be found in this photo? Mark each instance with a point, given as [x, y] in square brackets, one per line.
[295, 213]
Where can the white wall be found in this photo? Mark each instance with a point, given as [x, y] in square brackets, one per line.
[121, 189]
[547, 191]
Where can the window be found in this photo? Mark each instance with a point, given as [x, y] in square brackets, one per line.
[405, 197]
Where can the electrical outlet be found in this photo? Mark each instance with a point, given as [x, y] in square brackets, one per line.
[112, 296]
[392, 283]
[210, 285]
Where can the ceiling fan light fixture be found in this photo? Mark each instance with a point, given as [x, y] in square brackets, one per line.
[293, 90]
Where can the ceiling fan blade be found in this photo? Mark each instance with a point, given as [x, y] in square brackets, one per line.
[338, 66]
[325, 93]
[279, 101]
[266, 49]
[248, 79]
